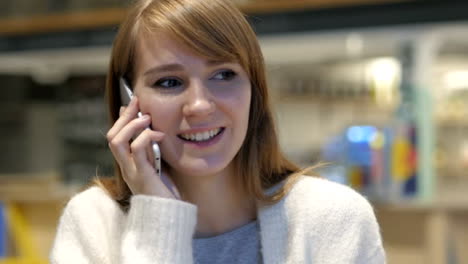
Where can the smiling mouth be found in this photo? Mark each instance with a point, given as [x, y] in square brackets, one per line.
[201, 136]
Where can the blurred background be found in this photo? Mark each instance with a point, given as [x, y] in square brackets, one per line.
[377, 89]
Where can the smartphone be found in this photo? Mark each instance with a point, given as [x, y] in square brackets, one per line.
[126, 95]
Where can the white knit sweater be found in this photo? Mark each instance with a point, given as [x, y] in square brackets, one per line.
[318, 222]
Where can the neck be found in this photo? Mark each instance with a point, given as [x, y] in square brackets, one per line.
[222, 204]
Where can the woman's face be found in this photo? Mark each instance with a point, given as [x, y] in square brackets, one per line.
[202, 106]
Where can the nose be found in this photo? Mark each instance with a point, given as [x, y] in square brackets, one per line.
[199, 102]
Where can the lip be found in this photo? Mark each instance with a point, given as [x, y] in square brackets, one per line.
[203, 144]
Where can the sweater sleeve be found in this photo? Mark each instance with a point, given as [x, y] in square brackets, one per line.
[94, 230]
[150, 238]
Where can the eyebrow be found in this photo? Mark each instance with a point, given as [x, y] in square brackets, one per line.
[179, 67]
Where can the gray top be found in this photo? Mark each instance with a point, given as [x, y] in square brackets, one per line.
[239, 246]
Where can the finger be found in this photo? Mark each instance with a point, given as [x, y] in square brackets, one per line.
[139, 149]
[122, 156]
[128, 114]
[120, 145]
[121, 110]
[150, 154]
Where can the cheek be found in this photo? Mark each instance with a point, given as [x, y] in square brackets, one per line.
[163, 112]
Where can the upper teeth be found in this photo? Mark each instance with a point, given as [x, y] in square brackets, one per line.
[202, 135]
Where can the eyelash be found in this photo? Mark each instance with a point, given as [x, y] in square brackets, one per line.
[159, 83]
[231, 72]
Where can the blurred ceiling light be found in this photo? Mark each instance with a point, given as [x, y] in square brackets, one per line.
[354, 45]
[455, 80]
[383, 75]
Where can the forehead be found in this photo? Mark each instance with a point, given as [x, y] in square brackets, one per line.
[160, 48]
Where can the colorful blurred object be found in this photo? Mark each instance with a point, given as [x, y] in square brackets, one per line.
[381, 163]
[14, 222]
[3, 231]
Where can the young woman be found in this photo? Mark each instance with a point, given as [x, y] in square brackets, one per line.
[198, 77]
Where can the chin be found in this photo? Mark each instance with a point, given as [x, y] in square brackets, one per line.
[202, 167]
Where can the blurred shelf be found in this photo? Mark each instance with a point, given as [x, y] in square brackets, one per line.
[61, 22]
[99, 18]
[291, 97]
[97, 27]
[333, 100]
[423, 236]
[267, 6]
[38, 187]
[459, 205]
[452, 123]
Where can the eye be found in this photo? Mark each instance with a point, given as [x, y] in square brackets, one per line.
[167, 83]
[224, 75]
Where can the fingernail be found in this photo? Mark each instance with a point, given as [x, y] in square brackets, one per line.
[145, 117]
[122, 109]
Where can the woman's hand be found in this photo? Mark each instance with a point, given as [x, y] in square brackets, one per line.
[135, 157]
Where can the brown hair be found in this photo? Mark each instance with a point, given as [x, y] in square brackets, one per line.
[213, 29]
